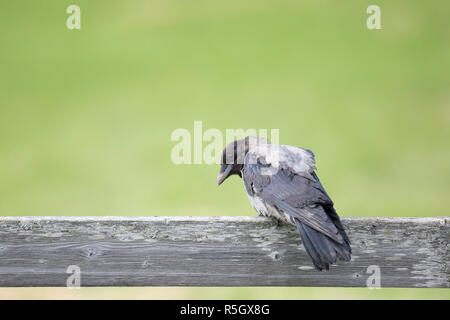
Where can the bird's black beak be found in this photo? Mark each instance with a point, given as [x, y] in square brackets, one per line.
[225, 172]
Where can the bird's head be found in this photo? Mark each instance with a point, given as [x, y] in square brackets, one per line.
[233, 156]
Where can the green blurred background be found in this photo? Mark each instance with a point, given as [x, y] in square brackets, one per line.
[86, 115]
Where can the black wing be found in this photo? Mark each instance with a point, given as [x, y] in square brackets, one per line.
[302, 197]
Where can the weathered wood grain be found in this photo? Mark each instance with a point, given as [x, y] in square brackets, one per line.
[215, 251]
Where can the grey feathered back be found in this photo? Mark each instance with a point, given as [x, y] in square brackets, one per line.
[281, 180]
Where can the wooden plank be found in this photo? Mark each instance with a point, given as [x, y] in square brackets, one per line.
[215, 251]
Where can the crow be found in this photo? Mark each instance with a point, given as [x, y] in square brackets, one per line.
[281, 182]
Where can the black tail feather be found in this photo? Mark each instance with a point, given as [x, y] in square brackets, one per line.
[322, 249]
[337, 222]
